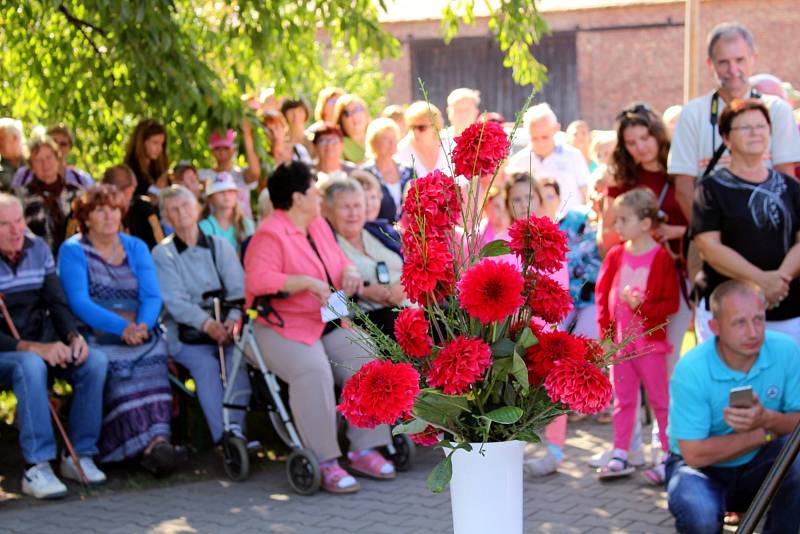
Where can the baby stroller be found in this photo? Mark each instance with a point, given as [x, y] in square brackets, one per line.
[302, 465]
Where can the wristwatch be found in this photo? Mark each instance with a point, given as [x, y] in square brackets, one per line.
[769, 437]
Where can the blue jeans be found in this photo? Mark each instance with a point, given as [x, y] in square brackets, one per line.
[202, 362]
[27, 374]
[699, 498]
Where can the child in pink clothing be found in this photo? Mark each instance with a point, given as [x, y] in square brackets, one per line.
[637, 289]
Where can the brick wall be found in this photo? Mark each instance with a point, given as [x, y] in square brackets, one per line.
[617, 66]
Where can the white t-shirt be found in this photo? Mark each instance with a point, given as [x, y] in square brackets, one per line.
[207, 175]
[407, 156]
[565, 165]
[695, 140]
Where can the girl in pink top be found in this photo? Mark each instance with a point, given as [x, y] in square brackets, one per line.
[294, 252]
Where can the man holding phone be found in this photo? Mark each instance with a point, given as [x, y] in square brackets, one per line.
[39, 335]
[733, 401]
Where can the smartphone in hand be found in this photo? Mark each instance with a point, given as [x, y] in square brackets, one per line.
[741, 397]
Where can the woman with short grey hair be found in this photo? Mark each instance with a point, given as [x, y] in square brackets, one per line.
[193, 268]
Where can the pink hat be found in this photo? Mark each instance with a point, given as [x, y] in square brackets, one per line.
[216, 140]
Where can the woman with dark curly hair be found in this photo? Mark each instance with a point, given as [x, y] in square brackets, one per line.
[110, 282]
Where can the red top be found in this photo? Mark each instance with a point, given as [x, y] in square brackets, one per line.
[661, 298]
[279, 249]
[655, 181]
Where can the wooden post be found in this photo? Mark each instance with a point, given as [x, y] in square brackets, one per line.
[691, 51]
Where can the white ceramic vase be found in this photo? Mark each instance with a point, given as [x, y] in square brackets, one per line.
[486, 489]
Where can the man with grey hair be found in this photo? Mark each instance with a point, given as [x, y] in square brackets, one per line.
[546, 158]
[462, 109]
[11, 150]
[40, 337]
[697, 146]
[733, 401]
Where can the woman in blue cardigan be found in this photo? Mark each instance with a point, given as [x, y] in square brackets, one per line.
[111, 285]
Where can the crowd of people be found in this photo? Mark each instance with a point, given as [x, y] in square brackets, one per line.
[686, 220]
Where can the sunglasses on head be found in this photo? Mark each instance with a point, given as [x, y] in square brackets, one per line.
[354, 111]
[637, 109]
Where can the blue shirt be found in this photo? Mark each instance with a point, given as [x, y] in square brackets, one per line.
[701, 384]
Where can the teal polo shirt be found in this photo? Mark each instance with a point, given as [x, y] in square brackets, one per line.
[701, 384]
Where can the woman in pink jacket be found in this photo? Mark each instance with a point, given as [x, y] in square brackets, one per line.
[294, 251]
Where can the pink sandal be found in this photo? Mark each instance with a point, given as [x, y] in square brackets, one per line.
[337, 480]
[371, 464]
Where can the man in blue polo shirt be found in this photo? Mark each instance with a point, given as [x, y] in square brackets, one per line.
[721, 454]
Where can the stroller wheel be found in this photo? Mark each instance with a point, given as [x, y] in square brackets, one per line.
[302, 469]
[404, 452]
[236, 458]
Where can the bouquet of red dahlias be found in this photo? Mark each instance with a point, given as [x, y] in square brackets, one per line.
[476, 361]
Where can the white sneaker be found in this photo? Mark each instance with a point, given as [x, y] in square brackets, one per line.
[540, 467]
[635, 458]
[93, 474]
[39, 481]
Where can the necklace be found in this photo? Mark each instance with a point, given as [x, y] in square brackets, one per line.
[113, 256]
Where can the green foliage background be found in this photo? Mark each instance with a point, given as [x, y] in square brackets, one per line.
[101, 65]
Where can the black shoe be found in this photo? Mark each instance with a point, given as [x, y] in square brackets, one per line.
[160, 461]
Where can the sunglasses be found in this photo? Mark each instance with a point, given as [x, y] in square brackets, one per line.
[421, 128]
[637, 109]
[325, 141]
[356, 110]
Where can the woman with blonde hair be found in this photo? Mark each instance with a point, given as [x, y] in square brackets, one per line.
[326, 102]
[381, 141]
[352, 117]
[223, 216]
[421, 148]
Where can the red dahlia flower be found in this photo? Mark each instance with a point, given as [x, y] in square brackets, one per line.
[548, 299]
[432, 203]
[552, 347]
[580, 385]
[491, 290]
[461, 362]
[427, 269]
[479, 149]
[411, 332]
[428, 437]
[538, 242]
[379, 393]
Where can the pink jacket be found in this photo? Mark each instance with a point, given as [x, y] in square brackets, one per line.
[279, 249]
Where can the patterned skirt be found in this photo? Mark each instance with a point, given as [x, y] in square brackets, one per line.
[137, 404]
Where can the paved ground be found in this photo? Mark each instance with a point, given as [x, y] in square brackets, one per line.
[570, 502]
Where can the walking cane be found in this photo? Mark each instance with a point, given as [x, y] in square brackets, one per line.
[50, 403]
[218, 318]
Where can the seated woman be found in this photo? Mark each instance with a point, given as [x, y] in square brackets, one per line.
[47, 198]
[382, 135]
[223, 215]
[378, 265]
[110, 283]
[190, 265]
[294, 251]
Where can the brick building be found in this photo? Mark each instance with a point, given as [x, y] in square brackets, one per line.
[601, 54]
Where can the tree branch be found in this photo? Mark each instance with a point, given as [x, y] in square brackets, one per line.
[81, 24]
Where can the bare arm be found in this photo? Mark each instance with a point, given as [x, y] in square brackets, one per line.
[709, 451]
[684, 194]
[730, 263]
[253, 171]
[790, 266]
[607, 237]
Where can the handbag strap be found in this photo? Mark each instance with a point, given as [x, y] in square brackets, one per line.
[316, 251]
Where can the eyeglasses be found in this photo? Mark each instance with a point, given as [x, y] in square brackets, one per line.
[325, 141]
[636, 109]
[354, 111]
[421, 128]
[759, 128]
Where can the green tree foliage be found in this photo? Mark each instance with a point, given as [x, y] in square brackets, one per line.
[100, 65]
